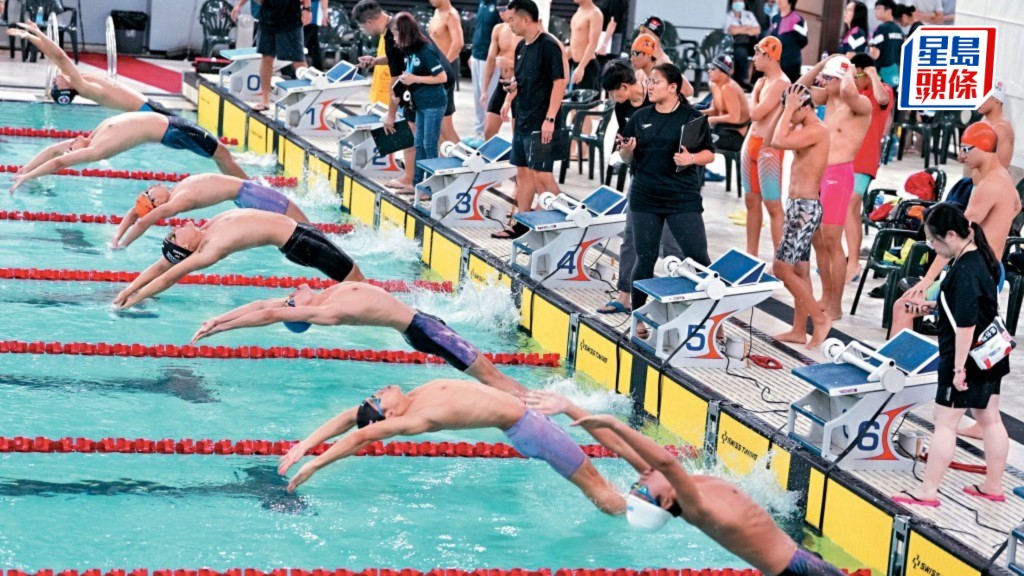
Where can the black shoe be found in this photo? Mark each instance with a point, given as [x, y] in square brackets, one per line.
[877, 291]
[928, 328]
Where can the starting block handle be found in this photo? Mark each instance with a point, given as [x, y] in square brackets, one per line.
[377, 109]
[574, 210]
[858, 354]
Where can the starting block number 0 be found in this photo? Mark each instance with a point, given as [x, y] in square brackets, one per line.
[252, 83]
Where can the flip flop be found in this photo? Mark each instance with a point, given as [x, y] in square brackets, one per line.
[260, 107]
[974, 490]
[911, 500]
[616, 308]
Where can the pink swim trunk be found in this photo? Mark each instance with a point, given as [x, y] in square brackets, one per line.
[836, 187]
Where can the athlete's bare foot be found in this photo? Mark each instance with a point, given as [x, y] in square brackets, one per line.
[972, 431]
[834, 313]
[820, 333]
[792, 337]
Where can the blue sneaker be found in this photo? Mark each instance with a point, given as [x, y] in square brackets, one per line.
[710, 176]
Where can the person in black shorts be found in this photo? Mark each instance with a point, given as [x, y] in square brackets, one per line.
[189, 248]
[359, 304]
[534, 98]
[967, 306]
[280, 37]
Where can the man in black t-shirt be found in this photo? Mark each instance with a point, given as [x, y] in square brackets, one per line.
[280, 37]
[535, 96]
[886, 43]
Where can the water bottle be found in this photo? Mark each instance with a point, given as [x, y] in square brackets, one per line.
[39, 17]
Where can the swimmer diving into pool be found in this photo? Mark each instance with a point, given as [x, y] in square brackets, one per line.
[189, 248]
[455, 405]
[124, 132]
[359, 304]
[716, 507]
[195, 192]
[69, 83]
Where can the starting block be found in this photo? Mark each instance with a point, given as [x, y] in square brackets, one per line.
[852, 387]
[687, 308]
[304, 102]
[455, 181]
[242, 74]
[562, 233]
[357, 150]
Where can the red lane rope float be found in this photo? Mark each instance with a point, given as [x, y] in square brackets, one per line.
[56, 133]
[64, 275]
[276, 181]
[207, 447]
[259, 353]
[413, 572]
[326, 227]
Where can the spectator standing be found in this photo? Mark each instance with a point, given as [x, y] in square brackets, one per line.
[789, 27]
[280, 37]
[425, 75]
[886, 43]
[660, 193]
[584, 33]
[855, 21]
[927, 11]
[865, 164]
[744, 28]
[628, 88]
[968, 305]
[906, 17]
[311, 34]
[388, 61]
[613, 27]
[534, 98]
[445, 29]
[254, 10]
[487, 17]
[500, 57]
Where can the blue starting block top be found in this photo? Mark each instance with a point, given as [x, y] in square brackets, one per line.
[341, 72]
[436, 164]
[495, 149]
[292, 84]
[363, 121]
[669, 286]
[914, 354]
[836, 379]
[548, 219]
[605, 201]
[735, 268]
[240, 53]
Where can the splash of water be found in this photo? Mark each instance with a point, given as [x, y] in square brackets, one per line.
[489, 304]
[366, 243]
[591, 398]
[256, 160]
[315, 192]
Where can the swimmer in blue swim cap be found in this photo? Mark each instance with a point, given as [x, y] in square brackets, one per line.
[358, 304]
[70, 82]
[715, 506]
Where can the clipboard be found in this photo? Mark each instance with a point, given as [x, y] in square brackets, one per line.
[691, 135]
[556, 149]
[388, 143]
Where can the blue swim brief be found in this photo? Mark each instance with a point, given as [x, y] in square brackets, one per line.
[431, 335]
[252, 195]
[806, 563]
[537, 436]
[184, 135]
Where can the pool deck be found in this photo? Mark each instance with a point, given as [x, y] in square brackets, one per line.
[20, 81]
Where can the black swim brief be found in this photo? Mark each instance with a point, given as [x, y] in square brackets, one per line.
[184, 135]
[431, 335]
[154, 106]
[308, 246]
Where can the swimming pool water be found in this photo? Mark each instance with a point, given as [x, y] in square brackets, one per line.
[109, 510]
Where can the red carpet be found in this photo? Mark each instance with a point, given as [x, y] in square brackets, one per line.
[135, 69]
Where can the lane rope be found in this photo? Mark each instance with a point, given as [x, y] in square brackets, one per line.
[209, 447]
[275, 181]
[136, 350]
[65, 275]
[17, 215]
[413, 572]
[64, 134]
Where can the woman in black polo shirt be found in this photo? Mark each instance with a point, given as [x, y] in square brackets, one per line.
[659, 194]
[969, 294]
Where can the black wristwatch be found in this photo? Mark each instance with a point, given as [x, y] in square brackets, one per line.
[550, 119]
[307, 8]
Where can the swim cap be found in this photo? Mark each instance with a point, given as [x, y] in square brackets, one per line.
[645, 44]
[980, 135]
[367, 415]
[173, 252]
[297, 327]
[999, 91]
[836, 67]
[771, 47]
[645, 516]
[144, 204]
[655, 25]
[805, 96]
[62, 96]
[724, 63]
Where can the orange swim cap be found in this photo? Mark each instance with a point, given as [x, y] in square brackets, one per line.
[771, 47]
[980, 135]
[144, 204]
[645, 43]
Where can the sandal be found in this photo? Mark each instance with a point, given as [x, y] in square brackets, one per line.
[974, 490]
[613, 307]
[912, 500]
[260, 107]
[518, 229]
